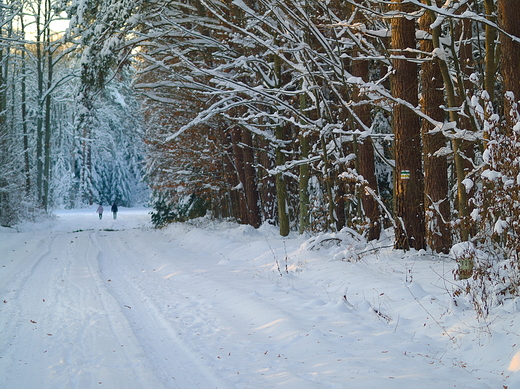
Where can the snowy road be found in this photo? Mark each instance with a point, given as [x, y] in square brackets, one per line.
[112, 303]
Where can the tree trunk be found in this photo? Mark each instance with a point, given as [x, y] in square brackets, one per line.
[85, 122]
[281, 187]
[231, 178]
[328, 180]
[47, 127]
[4, 145]
[267, 186]
[491, 33]
[464, 31]
[408, 174]
[250, 181]
[457, 144]
[509, 20]
[366, 158]
[304, 219]
[436, 202]
[238, 158]
[25, 134]
[466, 88]
[39, 121]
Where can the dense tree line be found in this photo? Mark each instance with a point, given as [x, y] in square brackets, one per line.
[320, 115]
[294, 112]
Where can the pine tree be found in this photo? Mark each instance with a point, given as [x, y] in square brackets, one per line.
[437, 206]
[509, 21]
[408, 174]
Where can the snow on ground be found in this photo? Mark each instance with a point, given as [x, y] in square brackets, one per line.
[89, 303]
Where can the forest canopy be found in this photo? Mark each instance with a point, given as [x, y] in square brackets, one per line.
[319, 115]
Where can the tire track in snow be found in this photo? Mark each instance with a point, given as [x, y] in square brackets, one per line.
[272, 337]
[17, 297]
[105, 329]
[203, 308]
[269, 343]
[78, 336]
[178, 364]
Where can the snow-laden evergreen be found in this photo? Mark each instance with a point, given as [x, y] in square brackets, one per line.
[117, 146]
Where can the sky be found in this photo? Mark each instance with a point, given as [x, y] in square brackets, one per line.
[114, 303]
[58, 26]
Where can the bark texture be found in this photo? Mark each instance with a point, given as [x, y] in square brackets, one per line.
[436, 203]
[408, 174]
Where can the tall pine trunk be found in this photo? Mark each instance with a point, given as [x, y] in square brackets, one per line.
[457, 143]
[491, 34]
[238, 159]
[436, 202]
[303, 189]
[408, 174]
[281, 186]
[254, 216]
[47, 127]
[25, 133]
[366, 157]
[267, 184]
[233, 195]
[40, 60]
[4, 142]
[509, 20]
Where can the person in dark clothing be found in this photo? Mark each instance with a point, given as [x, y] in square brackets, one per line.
[114, 210]
[100, 211]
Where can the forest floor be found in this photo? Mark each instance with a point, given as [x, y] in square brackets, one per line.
[89, 303]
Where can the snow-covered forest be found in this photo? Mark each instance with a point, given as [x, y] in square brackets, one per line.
[309, 115]
[50, 157]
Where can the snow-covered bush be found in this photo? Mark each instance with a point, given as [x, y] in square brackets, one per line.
[188, 207]
[342, 246]
[496, 213]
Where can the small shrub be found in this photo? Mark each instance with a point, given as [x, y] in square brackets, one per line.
[189, 207]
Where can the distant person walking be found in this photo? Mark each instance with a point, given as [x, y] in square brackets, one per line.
[114, 210]
[100, 211]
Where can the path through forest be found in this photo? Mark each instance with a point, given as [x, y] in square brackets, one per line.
[113, 303]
